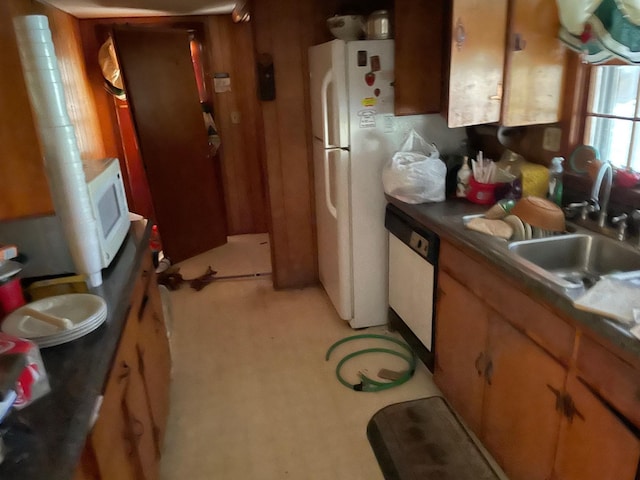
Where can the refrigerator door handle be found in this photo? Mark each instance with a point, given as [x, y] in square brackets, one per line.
[326, 81]
[327, 186]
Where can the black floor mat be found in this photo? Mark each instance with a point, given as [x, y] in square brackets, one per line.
[424, 440]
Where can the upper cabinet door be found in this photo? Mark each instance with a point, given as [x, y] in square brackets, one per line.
[534, 76]
[418, 56]
[478, 31]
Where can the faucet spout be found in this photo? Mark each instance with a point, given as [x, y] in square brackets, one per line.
[605, 173]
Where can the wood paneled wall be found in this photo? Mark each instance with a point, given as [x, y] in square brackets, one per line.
[23, 185]
[285, 29]
[24, 188]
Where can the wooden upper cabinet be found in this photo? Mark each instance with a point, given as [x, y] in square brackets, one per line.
[534, 74]
[418, 56]
[477, 38]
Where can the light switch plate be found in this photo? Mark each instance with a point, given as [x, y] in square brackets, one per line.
[551, 139]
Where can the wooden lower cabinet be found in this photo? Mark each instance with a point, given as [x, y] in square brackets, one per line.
[462, 329]
[519, 417]
[539, 418]
[499, 381]
[126, 440]
[594, 444]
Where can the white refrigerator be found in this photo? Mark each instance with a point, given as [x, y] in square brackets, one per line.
[351, 92]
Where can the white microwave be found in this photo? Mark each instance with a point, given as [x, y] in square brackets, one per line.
[42, 240]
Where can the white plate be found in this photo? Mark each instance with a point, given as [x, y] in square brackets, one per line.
[528, 231]
[519, 232]
[83, 309]
[54, 340]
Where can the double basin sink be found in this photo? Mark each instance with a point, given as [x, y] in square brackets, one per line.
[572, 261]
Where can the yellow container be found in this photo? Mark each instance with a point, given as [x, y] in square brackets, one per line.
[57, 286]
[535, 179]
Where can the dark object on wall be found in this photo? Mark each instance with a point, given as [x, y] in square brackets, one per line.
[266, 78]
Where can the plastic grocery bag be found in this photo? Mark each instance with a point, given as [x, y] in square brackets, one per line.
[415, 174]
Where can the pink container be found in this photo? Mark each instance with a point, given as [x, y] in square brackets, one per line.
[482, 193]
[11, 296]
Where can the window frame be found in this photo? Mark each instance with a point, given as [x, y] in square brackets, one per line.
[572, 123]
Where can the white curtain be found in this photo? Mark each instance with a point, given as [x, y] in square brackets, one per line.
[601, 30]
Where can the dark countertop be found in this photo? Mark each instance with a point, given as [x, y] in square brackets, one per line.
[445, 220]
[45, 439]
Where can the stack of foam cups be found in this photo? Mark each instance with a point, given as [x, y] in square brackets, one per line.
[63, 164]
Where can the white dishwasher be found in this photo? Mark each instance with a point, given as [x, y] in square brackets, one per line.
[413, 258]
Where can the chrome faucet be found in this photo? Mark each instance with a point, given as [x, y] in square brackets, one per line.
[594, 204]
[597, 205]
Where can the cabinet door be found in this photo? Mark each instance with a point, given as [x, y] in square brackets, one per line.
[534, 65]
[154, 355]
[520, 422]
[140, 427]
[478, 30]
[418, 55]
[155, 364]
[593, 443]
[87, 468]
[461, 336]
[110, 438]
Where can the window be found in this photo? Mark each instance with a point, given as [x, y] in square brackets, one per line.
[612, 123]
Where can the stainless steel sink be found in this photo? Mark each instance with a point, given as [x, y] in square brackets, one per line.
[576, 260]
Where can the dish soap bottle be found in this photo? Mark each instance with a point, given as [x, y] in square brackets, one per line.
[555, 181]
[462, 186]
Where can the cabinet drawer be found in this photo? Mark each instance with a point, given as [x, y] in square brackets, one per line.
[611, 377]
[536, 321]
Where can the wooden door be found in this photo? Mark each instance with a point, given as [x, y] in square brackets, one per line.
[461, 334]
[520, 422]
[593, 443]
[162, 93]
[478, 29]
[535, 64]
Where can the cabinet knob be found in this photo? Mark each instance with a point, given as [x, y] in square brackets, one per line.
[460, 34]
[126, 370]
[519, 43]
[488, 371]
[498, 95]
[137, 429]
[479, 365]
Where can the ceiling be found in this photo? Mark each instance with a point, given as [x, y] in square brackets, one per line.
[142, 8]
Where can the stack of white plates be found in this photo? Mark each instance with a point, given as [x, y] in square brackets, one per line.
[85, 311]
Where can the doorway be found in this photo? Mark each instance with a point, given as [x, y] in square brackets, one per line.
[185, 185]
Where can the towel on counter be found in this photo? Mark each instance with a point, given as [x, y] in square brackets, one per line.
[613, 298]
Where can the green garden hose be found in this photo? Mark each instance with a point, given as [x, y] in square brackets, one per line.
[368, 384]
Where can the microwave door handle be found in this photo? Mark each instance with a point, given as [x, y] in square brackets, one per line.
[327, 184]
[326, 81]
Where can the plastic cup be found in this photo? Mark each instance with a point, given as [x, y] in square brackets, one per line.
[43, 76]
[31, 22]
[11, 296]
[48, 102]
[36, 35]
[46, 62]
